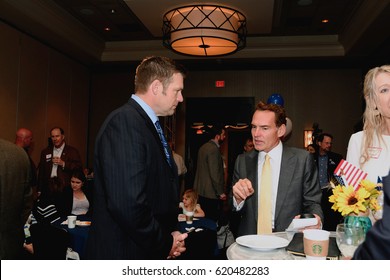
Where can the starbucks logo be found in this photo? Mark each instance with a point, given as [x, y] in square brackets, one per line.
[317, 249]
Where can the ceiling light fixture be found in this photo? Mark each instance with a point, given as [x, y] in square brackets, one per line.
[204, 30]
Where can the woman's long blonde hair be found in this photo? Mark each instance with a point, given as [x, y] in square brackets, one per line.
[372, 118]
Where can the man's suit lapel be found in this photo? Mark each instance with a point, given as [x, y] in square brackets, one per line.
[150, 125]
[286, 174]
[251, 169]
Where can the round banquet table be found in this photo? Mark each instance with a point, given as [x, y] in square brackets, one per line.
[204, 223]
[200, 244]
[78, 236]
[238, 252]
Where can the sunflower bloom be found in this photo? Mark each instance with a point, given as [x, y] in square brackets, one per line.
[368, 185]
[349, 200]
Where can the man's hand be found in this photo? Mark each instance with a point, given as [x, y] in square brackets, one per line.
[242, 189]
[178, 246]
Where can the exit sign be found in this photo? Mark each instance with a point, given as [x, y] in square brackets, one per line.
[219, 84]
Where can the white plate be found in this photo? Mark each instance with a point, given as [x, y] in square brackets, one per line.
[262, 242]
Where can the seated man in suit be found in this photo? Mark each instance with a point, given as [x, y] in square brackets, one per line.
[293, 178]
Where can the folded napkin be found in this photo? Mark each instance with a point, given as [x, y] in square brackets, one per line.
[297, 224]
[296, 247]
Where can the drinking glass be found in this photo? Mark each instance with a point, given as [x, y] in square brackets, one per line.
[348, 238]
[379, 213]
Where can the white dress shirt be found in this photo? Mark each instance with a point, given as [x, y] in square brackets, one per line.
[57, 152]
[276, 161]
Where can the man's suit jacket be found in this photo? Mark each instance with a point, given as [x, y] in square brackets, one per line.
[209, 178]
[377, 243]
[298, 190]
[333, 160]
[72, 160]
[136, 192]
[331, 218]
[15, 199]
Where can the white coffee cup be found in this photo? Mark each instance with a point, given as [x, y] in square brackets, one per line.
[316, 244]
[189, 217]
[72, 221]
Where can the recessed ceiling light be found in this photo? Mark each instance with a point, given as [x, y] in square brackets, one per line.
[112, 11]
[325, 20]
[107, 29]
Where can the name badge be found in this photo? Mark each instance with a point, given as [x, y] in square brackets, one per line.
[374, 152]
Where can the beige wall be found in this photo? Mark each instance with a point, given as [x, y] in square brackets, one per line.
[41, 88]
[329, 97]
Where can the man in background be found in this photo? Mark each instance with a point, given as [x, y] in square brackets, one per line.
[248, 146]
[181, 167]
[58, 160]
[15, 199]
[24, 139]
[209, 177]
[327, 161]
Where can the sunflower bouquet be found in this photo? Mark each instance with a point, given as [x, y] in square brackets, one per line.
[348, 199]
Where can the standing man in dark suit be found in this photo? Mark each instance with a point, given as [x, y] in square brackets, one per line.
[15, 199]
[136, 191]
[209, 177]
[294, 179]
[377, 243]
[58, 160]
[327, 161]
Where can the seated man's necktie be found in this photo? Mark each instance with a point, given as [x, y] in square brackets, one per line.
[264, 220]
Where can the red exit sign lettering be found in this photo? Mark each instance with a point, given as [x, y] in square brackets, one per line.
[219, 84]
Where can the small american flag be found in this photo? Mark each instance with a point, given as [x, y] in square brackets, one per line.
[347, 174]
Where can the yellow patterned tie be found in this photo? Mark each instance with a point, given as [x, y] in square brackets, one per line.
[264, 222]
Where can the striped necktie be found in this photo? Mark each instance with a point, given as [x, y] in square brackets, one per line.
[164, 142]
[264, 221]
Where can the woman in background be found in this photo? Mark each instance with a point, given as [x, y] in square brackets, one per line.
[311, 148]
[81, 199]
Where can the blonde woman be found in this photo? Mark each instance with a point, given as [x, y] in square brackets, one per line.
[370, 149]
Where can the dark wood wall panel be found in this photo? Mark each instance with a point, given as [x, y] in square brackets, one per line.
[41, 88]
[34, 58]
[9, 69]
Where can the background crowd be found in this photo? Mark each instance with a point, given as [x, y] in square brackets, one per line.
[134, 200]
